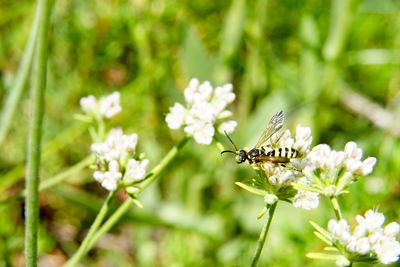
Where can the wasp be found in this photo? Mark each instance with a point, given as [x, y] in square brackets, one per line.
[262, 152]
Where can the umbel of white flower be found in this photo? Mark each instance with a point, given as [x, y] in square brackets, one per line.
[106, 107]
[115, 162]
[330, 172]
[369, 241]
[205, 109]
[276, 180]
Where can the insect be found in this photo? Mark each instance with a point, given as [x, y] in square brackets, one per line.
[265, 153]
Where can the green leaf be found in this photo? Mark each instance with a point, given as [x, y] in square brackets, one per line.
[323, 238]
[137, 203]
[321, 256]
[196, 60]
[252, 189]
[322, 231]
[262, 213]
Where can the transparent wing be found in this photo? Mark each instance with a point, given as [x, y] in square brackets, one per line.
[273, 126]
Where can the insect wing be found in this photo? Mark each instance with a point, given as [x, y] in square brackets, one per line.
[273, 126]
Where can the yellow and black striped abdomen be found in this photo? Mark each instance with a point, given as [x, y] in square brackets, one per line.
[279, 155]
[283, 153]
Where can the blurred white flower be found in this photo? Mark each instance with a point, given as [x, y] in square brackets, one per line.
[228, 126]
[117, 146]
[306, 199]
[115, 162]
[135, 170]
[109, 178]
[107, 106]
[205, 109]
[330, 172]
[176, 116]
[369, 240]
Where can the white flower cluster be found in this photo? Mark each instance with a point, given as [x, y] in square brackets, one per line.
[115, 162]
[107, 106]
[205, 109]
[369, 238]
[331, 172]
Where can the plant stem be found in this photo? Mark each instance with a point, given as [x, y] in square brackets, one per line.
[263, 235]
[114, 218]
[58, 178]
[20, 81]
[156, 171]
[35, 133]
[85, 246]
[336, 208]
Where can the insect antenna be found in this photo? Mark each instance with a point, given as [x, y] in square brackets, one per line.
[230, 140]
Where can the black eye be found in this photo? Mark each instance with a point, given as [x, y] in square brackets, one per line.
[242, 156]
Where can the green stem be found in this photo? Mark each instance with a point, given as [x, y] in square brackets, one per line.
[341, 17]
[85, 246]
[263, 236]
[336, 208]
[116, 216]
[156, 171]
[35, 133]
[21, 79]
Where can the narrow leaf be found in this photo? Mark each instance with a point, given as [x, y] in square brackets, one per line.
[321, 230]
[252, 189]
[321, 256]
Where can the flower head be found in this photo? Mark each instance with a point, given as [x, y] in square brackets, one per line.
[115, 162]
[331, 172]
[107, 106]
[369, 241]
[205, 109]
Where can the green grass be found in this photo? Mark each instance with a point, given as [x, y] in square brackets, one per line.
[289, 55]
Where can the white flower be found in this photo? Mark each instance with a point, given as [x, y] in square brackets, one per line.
[352, 151]
[392, 229]
[369, 239]
[327, 168]
[89, 104]
[205, 108]
[202, 132]
[228, 126]
[372, 220]
[109, 179]
[359, 245]
[306, 199]
[367, 166]
[116, 147]
[114, 160]
[340, 230]
[388, 251]
[303, 139]
[176, 116]
[108, 106]
[135, 170]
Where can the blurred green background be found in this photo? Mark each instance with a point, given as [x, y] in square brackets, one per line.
[330, 65]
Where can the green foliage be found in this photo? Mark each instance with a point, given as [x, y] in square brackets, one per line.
[302, 57]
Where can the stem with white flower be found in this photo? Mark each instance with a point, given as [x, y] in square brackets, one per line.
[263, 235]
[96, 232]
